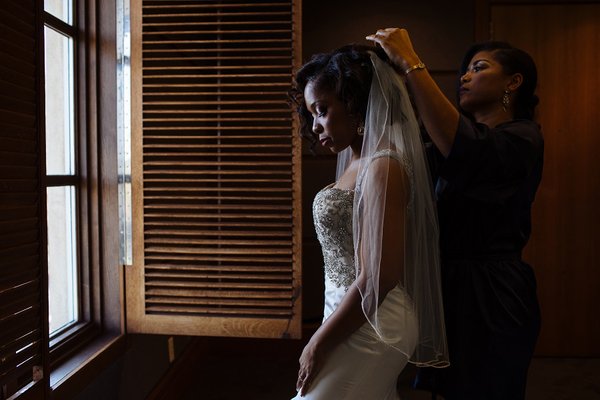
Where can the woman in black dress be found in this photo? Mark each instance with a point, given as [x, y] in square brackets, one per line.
[490, 165]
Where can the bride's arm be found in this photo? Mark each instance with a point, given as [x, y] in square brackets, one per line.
[349, 316]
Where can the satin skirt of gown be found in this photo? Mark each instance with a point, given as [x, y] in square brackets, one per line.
[362, 367]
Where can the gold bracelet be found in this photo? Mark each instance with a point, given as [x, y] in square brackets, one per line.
[419, 65]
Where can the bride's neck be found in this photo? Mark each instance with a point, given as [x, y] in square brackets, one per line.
[348, 178]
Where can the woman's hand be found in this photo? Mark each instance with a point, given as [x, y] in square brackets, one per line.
[311, 361]
[396, 43]
[439, 115]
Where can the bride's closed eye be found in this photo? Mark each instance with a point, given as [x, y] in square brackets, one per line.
[321, 111]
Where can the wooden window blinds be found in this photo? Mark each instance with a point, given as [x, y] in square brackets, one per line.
[215, 169]
[23, 325]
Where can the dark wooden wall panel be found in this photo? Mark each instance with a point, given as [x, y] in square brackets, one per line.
[564, 40]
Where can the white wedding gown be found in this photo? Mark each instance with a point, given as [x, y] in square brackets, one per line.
[362, 367]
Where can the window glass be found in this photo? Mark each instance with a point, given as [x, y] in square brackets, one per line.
[62, 9]
[60, 124]
[62, 257]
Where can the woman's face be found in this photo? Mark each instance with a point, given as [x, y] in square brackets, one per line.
[332, 123]
[483, 84]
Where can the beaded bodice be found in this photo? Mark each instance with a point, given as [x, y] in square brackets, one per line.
[332, 214]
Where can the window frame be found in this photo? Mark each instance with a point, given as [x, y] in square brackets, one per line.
[97, 339]
[69, 339]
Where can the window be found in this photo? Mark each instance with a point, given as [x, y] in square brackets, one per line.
[62, 177]
[224, 148]
[70, 232]
[59, 278]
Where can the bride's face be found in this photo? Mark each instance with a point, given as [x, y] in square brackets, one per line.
[335, 127]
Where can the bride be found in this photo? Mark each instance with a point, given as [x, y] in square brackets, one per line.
[377, 227]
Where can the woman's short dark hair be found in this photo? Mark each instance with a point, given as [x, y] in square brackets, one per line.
[347, 71]
[512, 60]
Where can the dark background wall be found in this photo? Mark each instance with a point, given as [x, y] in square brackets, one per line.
[563, 38]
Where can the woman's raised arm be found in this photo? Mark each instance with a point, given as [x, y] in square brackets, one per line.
[438, 114]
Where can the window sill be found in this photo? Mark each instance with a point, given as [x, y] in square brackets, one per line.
[72, 376]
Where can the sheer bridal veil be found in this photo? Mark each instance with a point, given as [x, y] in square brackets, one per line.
[391, 128]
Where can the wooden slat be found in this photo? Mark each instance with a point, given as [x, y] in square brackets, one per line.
[19, 301]
[221, 241]
[188, 216]
[10, 83]
[221, 23]
[217, 294]
[17, 145]
[22, 237]
[233, 50]
[223, 129]
[219, 6]
[222, 225]
[222, 286]
[17, 325]
[219, 301]
[217, 194]
[220, 269]
[170, 31]
[171, 256]
[245, 251]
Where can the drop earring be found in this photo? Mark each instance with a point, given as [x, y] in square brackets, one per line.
[505, 100]
[360, 130]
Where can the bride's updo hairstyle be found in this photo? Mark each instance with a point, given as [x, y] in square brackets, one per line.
[347, 71]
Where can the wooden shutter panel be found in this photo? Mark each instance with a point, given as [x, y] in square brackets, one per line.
[215, 170]
[22, 255]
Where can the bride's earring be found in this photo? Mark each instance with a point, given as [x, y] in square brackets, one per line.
[361, 129]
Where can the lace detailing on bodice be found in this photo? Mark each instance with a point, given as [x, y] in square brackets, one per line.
[332, 213]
